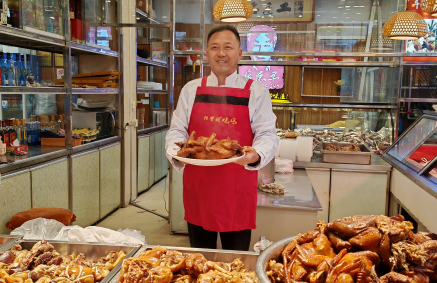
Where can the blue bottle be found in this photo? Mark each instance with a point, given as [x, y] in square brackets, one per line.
[14, 65]
[20, 71]
[29, 74]
[3, 65]
[10, 72]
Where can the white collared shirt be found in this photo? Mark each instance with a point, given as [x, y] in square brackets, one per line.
[262, 119]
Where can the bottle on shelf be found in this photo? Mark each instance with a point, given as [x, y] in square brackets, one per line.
[1, 68]
[20, 70]
[59, 123]
[4, 66]
[12, 132]
[5, 132]
[23, 132]
[14, 67]
[10, 76]
[29, 74]
[17, 124]
[14, 11]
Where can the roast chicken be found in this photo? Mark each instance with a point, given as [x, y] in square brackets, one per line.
[161, 265]
[361, 249]
[43, 264]
[210, 148]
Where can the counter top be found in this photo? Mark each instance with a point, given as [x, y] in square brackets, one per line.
[38, 154]
[300, 193]
[376, 164]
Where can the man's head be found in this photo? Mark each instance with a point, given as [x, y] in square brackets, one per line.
[261, 41]
[223, 51]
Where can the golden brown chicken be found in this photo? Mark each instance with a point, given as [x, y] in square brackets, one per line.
[210, 148]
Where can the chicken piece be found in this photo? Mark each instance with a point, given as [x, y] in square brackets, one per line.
[338, 243]
[7, 257]
[134, 270]
[229, 144]
[194, 263]
[178, 278]
[174, 260]
[209, 141]
[275, 272]
[153, 257]
[368, 239]
[356, 266]
[214, 153]
[112, 259]
[80, 274]
[160, 274]
[394, 277]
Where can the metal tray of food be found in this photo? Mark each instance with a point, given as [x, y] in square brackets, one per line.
[248, 258]
[346, 157]
[92, 251]
[274, 252]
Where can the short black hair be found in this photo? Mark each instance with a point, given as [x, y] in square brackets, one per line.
[223, 28]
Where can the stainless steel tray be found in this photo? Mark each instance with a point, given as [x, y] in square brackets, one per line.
[93, 251]
[8, 240]
[346, 157]
[248, 258]
[273, 252]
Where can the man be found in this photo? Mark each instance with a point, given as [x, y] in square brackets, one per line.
[223, 198]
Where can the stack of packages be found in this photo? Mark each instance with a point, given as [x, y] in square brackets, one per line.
[95, 80]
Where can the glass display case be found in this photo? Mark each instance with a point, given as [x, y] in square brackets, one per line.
[415, 151]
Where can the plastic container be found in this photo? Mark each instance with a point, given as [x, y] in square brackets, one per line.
[304, 148]
[58, 142]
[287, 149]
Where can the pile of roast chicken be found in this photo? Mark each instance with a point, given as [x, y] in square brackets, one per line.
[361, 249]
[42, 264]
[161, 265]
[210, 148]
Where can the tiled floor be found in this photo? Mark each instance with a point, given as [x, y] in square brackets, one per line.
[154, 228]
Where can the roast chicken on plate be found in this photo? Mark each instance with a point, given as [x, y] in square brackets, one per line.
[210, 148]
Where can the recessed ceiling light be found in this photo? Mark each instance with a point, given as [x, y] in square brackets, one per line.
[340, 7]
[344, 13]
[347, 6]
[300, 16]
[318, 15]
[348, 17]
[359, 6]
[334, 17]
[267, 9]
[358, 13]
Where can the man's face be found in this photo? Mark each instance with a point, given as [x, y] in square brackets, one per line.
[223, 53]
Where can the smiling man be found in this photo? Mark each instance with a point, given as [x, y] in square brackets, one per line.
[223, 198]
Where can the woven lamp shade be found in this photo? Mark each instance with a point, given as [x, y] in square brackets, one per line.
[359, 47]
[233, 10]
[381, 42]
[429, 6]
[405, 25]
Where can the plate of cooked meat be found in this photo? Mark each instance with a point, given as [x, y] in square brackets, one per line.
[208, 151]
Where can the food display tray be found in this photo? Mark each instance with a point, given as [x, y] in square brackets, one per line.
[8, 241]
[92, 251]
[272, 252]
[346, 157]
[248, 258]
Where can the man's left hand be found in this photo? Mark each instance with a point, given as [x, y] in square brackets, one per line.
[249, 158]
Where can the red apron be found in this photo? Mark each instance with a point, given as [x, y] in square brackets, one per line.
[221, 198]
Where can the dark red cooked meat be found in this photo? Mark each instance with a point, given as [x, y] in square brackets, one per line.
[7, 257]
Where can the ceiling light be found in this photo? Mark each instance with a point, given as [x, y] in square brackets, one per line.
[300, 16]
[359, 6]
[344, 13]
[334, 17]
[348, 17]
[267, 9]
[347, 6]
[405, 25]
[318, 15]
[233, 10]
[340, 7]
[358, 13]
[429, 6]
[381, 43]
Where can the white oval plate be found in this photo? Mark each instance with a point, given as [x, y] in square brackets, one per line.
[173, 151]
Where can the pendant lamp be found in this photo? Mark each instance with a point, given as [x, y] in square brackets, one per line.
[405, 25]
[429, 6]
[380, 42]
[233, 10]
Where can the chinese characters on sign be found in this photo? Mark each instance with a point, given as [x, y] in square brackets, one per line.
[225, 120]
[263, 39]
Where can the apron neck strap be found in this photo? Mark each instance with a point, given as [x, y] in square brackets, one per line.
[248, 84]
[204, 81]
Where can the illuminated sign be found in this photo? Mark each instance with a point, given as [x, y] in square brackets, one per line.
[261, 41]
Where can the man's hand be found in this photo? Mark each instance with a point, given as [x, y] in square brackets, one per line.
[249, 158]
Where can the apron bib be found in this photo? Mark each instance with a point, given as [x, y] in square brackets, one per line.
[221, 198]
